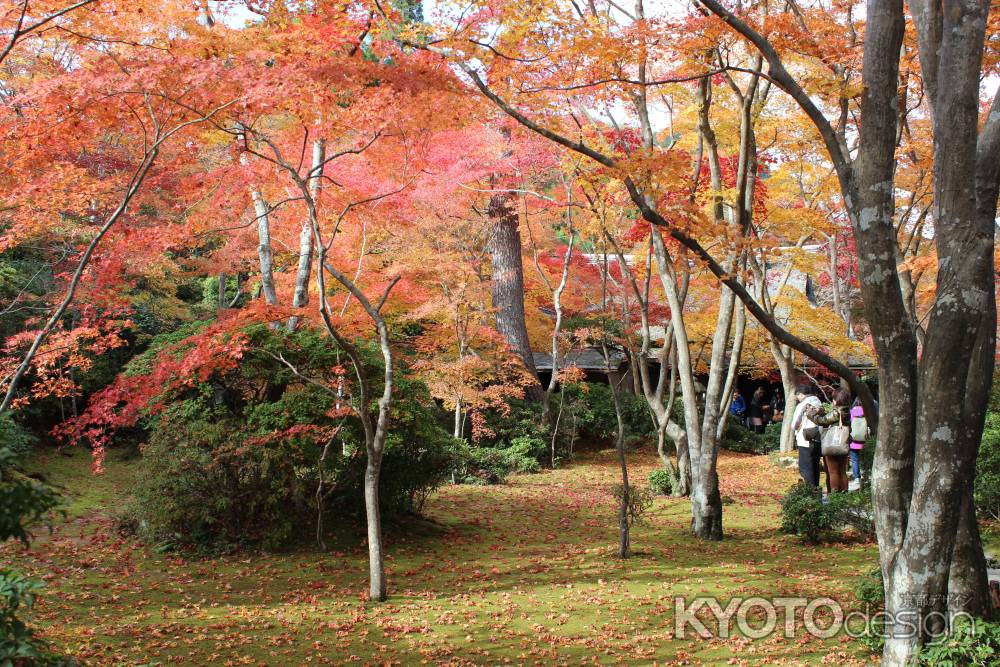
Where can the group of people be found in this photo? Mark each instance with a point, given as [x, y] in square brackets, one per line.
[760, 412]
[809, 424]
[814, 440]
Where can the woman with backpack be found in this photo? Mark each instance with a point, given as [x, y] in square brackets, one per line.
[835, 445]
[859, 433]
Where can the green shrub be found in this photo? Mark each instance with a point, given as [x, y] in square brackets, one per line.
[23, 502]
[871, 589]
[871, 593]
[528, 447]
[738, 438]
[210, 292]
[481, 465]
[490, 465]
[524, 418]
[588, 414]
[638, 502]
[660, 482]
[18, 643]
[634, 443]
[234, 460]
[994, 401]
[202, 484]
[595, 415]
[971, 643]
[772, 434]
[987, 484]
[804, 513]
[18, 440]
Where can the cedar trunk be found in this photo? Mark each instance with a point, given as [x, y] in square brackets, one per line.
[508, 284]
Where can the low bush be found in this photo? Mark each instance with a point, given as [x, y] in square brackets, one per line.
[594, 413]
[481, 465]
[804, 513]
[588, 416]
[772, 434]
[527, 448]
[23, 502]
[971, 643]
[524, 418]
[738, 438]
[234, 459]
[871, 593]
[871, 589]
[994, 400]
[660, 482]
[987, 484]
[18, 643]
[638, 502]
[17, 440]
[493, 465]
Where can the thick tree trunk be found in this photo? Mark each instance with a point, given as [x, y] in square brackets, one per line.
[706, 505]
[508, 284]
[683, 467]
[968, 590]
[959, 340]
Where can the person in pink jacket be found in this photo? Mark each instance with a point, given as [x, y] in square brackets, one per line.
[859, 432]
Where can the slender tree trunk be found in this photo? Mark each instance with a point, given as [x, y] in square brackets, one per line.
[264, 252]
[222, 291]
[300, 298]
[373, 517]
[735, 357]
[706, 501]
[784, 357]
[137, 179]
[321, 496]
[623, 508]
[689, 452]
[556, 330]
[555, 429]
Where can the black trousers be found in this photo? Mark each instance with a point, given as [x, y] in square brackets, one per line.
[809, 463]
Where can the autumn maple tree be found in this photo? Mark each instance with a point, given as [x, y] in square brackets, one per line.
[366, 199]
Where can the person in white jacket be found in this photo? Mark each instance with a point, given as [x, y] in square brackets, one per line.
[807, 434]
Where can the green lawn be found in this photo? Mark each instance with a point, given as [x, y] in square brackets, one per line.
[518, 574]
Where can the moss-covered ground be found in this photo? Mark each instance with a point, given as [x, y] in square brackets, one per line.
[523, 573]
